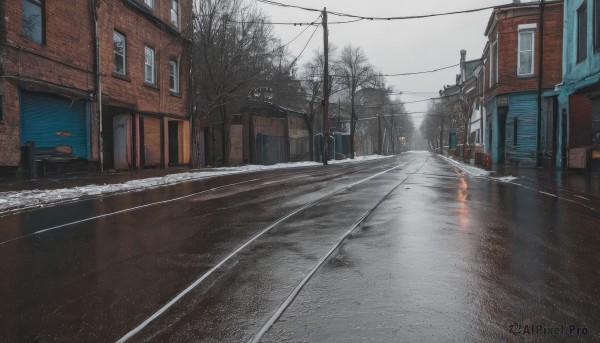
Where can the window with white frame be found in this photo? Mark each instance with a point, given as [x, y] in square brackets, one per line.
[120, 47]
[175, 12]
[149, 65]
[149, 3]
[173, 76]
[525, 62]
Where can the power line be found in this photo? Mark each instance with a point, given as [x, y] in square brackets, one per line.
[301, 52]
[421, 72]
[297, 23]
[404, 74]
[290, 42]
[341, 14]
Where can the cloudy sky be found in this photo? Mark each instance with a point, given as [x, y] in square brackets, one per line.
[396, 46]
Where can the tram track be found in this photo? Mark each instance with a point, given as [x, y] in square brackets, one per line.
[245, 245]
[352, 169]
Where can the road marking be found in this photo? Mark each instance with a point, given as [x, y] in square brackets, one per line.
[125, 210]
[242, 247]
[290, 298]
[143, 206]
[580, 197]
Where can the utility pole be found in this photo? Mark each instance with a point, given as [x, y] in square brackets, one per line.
[442, 136]
[325, 144]
[379, 132]
[393, 136]
[540, 86]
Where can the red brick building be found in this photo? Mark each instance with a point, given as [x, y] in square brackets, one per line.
[72, 69]
[511, 76]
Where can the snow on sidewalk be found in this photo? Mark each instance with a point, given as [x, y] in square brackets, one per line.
[10, 201]
[478, 172]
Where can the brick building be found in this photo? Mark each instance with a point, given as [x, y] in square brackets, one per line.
[72, 69]
[515, 127]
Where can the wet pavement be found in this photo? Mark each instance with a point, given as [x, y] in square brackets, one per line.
[446, 257]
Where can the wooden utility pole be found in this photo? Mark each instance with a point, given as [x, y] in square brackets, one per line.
[325, 144]
[379, 132]
[540, 86]
[393, 136]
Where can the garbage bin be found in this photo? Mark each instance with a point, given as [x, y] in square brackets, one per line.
[28, 159]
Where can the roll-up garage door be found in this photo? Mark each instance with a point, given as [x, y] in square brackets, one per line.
[53, 121]
[152, 141]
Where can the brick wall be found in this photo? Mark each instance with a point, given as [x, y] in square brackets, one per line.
[507, 31]
[141, 32]
[65, 60]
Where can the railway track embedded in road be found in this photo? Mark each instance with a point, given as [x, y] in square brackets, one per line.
[217, 266]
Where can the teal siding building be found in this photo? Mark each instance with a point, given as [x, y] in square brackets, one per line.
[579, 120]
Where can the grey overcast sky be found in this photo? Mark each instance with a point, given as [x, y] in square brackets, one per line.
[396, 46]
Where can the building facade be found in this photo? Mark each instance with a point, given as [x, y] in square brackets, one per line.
[106, 82]
[514, 84]
[579, 99]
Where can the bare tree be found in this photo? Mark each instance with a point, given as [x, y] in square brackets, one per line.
[354, 71]
[312, 80]
[231, 54]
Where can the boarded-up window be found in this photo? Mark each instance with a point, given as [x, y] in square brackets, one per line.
[151, 141]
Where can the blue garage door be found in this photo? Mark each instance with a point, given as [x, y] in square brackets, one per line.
[53, 121]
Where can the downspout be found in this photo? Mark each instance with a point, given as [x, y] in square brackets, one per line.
[98, 87]
[540, 86]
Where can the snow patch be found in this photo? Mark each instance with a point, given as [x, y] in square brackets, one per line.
[504, 178]
[471, 170]
[32, 198]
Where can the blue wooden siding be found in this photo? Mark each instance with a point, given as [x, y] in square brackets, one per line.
[523, 107]
[52, 121]
[491, 127]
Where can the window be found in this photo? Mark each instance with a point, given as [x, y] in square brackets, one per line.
[173, 77]
[120, 49]
[149, 3]
[175, 12]
[582, 33]
[526, 52]
[33, 20]
[597, 24]
[494, 63]
[1, 109]
[149, 63]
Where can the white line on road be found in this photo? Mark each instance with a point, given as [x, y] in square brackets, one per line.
[126, 210]
[231, 255]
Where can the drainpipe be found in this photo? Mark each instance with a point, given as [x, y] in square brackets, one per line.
[98, 86]
[540, 86]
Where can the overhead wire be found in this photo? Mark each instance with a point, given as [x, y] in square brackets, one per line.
[341, 14]
[301, 52]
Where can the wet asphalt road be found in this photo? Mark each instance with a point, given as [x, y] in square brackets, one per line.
[446, 257]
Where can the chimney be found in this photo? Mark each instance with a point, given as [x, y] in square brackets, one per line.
[463, 55]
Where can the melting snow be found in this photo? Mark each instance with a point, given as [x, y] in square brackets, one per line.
[478, 172]
[32, 198]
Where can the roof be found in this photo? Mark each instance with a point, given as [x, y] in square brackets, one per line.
[518, 6]
[471, 66]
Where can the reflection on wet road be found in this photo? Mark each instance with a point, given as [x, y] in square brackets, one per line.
[445, 257]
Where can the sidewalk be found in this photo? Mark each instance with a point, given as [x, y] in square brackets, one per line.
[19, 194]
[573, 181]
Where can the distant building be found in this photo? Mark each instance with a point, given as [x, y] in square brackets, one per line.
[511, 79]
[577, 130]
[58, 90]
